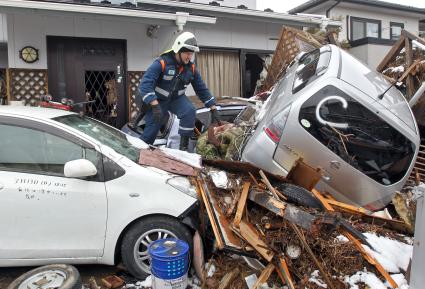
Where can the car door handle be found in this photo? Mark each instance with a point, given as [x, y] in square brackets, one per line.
[1, 186]
[134, 195]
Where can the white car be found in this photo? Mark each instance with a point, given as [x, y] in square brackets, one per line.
[71, 191]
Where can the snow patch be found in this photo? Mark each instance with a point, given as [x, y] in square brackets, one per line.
[314, 278]
[393, 255]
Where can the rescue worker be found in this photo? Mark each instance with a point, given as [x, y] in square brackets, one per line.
[163, 88]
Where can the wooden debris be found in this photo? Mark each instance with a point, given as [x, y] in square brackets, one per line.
[264, 276]
[241, 204]
[310, 252]
[112, 282]
[93, 284]
[250, 234]
[228, 278]
[359, 246]
[200, 185]
[283, 272]
[269, 186]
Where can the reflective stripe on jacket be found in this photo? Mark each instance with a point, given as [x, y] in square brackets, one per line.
[162, 84]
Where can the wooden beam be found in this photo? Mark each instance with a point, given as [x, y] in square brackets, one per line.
[241, 204]
[250, 234]
[227, 279]
[412, 36]
[283, 272]
[356, 242]
[264, 276]
[409, 61]
[395, 49]
[220, 242]
[268, 184]
[409, 70]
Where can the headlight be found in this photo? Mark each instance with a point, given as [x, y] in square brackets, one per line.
[183, 185]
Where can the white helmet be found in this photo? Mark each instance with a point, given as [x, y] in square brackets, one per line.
[185, 42]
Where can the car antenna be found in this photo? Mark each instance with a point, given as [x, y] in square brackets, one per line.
[381, 96]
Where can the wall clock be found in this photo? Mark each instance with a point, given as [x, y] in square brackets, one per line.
[29, 54]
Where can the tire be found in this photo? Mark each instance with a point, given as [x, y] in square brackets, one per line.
[299, 195]
[158, 227]
[61, 276]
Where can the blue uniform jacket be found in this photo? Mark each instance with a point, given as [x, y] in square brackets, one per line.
[172, 83]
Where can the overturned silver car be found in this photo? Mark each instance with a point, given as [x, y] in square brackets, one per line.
[336, 113]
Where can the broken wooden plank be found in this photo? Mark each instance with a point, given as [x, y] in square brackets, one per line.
[409, 70]
[241, 204]
[412, 36]
[315, 260]
[264, 276]
[228, 278]
[216, 231]
[283, 272]
[158, 159]
[356, 242]
[395, 49]
[409, 61]
[269, 186]
[250, 234]
[287, 211]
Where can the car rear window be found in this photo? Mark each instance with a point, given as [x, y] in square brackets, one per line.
[357, 135]
[310, 66]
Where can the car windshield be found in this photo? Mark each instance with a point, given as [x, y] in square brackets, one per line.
[120, 142]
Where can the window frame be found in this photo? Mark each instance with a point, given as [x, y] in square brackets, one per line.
[395, 24]
[49, 129]
[365, 21]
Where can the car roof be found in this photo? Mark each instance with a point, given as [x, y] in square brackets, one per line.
[33, 112]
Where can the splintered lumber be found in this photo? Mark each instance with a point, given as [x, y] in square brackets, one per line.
[310, 252]
[228, 278]
[269, 186]
[356, 242]
[287, 211]
[391, 55]
[241, 204]
[220, 243]
[283, 272]
[250, 234]
[264, 276]
[409, 61]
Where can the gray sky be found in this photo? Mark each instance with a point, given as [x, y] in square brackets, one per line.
[284, 6]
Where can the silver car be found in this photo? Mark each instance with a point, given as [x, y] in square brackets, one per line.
[331, 110]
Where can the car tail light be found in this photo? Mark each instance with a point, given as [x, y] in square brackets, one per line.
[275, 127]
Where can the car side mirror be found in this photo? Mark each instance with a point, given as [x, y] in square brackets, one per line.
[79, 168]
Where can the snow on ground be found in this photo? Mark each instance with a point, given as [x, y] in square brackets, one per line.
[392, 255]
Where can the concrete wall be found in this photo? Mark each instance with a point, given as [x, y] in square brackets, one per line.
[410, 23]
[32, 27]
[370, 54]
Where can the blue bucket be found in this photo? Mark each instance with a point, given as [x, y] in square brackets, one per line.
[169, 259]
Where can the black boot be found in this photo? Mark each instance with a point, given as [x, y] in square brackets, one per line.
[184, 143]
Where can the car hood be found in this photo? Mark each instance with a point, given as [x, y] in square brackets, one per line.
[373, 84]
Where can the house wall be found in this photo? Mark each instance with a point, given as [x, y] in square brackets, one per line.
[3, 28]
[32, 27]
[410, 23]
[370, 54]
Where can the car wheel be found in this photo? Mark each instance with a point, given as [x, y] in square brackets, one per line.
[299, 195]
[134, 247]
[58, 276]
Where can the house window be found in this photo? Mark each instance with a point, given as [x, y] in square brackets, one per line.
[362, 27]
[395, 30]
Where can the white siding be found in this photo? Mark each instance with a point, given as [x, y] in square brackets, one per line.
[31, 28]
[3, 28]
[410, 23]
[371, 54]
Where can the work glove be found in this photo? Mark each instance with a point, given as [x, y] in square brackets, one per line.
[156, 113]
[215, 116]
